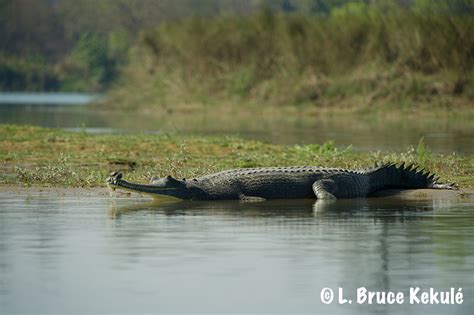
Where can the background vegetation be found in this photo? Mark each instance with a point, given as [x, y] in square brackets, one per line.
[80, 45]
[318, 52]
[358, 55]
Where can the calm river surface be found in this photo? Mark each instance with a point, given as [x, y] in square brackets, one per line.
[95, 255]
[103, 255]
[441, 134]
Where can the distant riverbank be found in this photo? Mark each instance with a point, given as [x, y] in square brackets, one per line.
[359, 58]
[350, 56]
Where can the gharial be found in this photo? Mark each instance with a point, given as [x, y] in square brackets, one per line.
[294, 182]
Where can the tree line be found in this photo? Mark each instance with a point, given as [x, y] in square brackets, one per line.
[82, 45]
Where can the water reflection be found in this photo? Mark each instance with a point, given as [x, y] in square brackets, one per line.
[350, 208]
[383, 244]
[272, 257]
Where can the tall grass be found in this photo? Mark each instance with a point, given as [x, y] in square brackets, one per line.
[392, 54]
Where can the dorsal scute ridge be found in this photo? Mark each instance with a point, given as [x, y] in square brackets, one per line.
[284, 169]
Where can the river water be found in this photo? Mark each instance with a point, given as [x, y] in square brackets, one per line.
[101, 255]
[363, 132]
[113, 255]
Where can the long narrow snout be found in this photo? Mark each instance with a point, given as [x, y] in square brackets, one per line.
[167, 186]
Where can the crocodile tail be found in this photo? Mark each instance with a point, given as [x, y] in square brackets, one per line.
[401, 176]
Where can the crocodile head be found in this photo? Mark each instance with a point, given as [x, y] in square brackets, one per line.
[113, 178]
[167, 186]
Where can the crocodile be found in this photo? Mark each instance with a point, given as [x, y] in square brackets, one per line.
[294, 182]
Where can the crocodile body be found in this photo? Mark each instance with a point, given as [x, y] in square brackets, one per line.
[298, 182]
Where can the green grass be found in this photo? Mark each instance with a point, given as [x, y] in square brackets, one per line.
[33, 156]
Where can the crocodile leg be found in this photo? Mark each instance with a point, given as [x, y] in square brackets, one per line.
[325, 189]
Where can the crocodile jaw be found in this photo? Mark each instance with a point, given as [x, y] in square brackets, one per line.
[167, 186]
